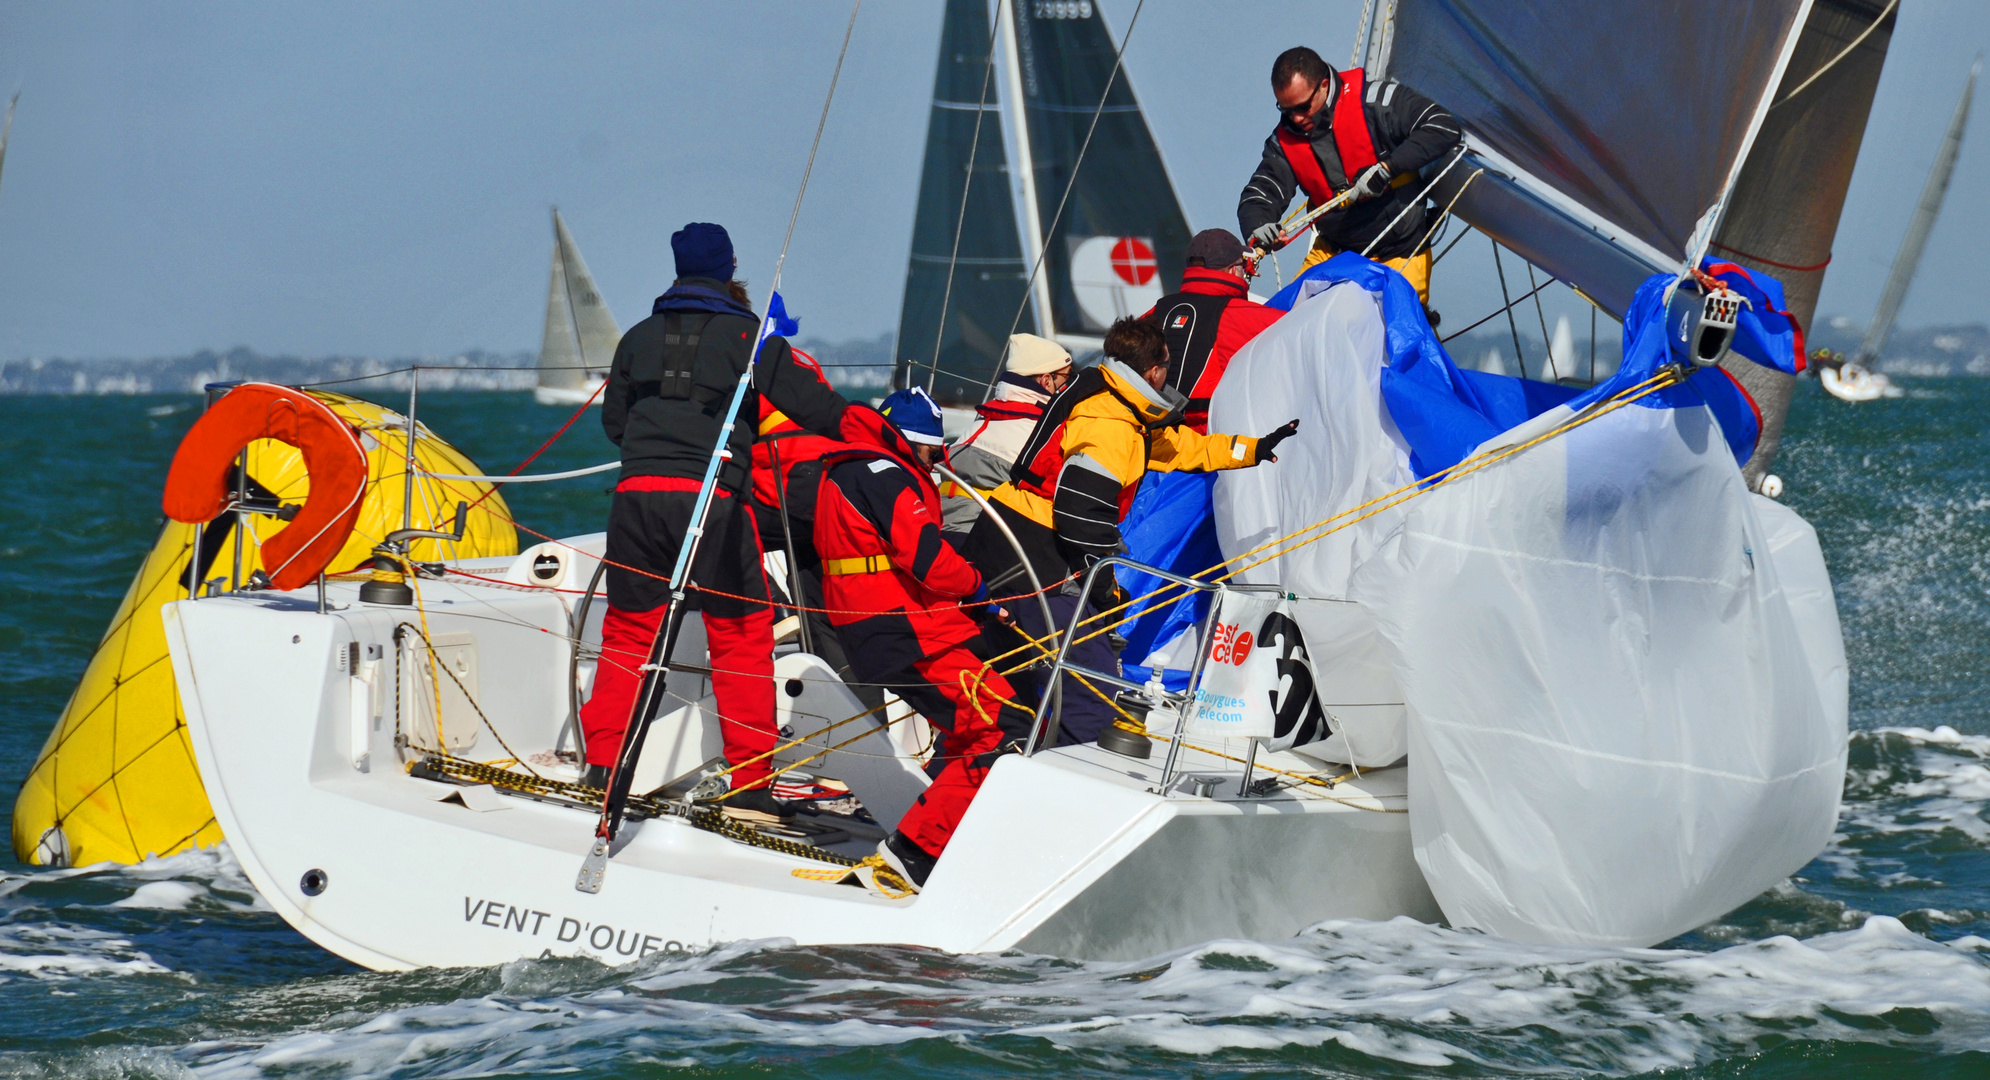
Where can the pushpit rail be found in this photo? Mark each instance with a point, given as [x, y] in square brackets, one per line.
[1049, 719]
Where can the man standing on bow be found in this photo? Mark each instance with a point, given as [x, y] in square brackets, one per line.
[673, 377]
[1337, 130]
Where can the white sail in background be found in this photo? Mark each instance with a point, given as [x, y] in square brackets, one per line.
[1918, 228]
[581, 334]
[1561, 352]
[7, 128]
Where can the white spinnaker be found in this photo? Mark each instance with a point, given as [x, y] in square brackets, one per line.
[1322, 364]
[1617, 732]
[1624, 679]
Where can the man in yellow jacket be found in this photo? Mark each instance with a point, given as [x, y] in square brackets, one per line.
[1074, 481]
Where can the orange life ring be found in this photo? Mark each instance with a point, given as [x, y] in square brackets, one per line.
[197, 486]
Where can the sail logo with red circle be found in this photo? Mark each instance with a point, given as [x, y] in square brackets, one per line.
[1113, 277]
[1133, 260]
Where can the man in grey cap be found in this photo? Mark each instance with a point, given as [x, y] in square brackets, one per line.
[1037, 369]
[1209, 319]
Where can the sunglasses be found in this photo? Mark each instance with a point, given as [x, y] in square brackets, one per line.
[1303, 107]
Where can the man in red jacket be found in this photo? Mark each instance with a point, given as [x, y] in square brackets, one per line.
[877, 527]
[1208, 320]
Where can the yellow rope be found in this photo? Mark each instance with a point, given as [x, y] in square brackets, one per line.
[1390, 500]
[882, 875]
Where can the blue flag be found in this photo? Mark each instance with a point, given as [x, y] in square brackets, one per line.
[778, 321]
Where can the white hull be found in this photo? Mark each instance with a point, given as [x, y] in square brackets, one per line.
[587, 394]
[1852, 382]
[1067, 853]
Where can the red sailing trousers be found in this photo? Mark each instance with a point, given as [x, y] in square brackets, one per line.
[944, 690]
[647, 523]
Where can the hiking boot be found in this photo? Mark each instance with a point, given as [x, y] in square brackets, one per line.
[907, 859]
[755, 806]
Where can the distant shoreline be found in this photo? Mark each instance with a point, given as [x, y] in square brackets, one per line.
[857, 365]
[864, 365]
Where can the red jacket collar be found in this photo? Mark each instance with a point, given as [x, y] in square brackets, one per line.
[1206, 282]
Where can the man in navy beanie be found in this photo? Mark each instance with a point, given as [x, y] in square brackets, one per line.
[673, 377]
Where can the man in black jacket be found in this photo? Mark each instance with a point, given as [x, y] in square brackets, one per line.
[1337, 130]
[673, 377]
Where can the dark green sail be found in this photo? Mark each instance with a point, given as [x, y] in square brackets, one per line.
[988, 278]
[1120, 242]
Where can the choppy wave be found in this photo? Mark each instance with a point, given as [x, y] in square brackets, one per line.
[1343, 997]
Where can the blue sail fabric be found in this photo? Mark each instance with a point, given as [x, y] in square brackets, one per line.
[1172, 525]
[1444, 412]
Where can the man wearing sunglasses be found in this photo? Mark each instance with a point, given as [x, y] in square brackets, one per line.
[1337, 130]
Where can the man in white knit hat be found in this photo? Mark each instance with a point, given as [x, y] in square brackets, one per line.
[1037, 368]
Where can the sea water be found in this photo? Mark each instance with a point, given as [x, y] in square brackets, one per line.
[1874, 960]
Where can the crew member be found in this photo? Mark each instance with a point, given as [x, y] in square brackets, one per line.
[1037, 368]
[1208, 320]
[1337, 130]
[877, 525]
[672, 380]
[1073, 483]
[787, 464]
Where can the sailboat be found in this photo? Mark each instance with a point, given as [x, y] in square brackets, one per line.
[1531, 659]
[1854, 379]
[7, 126]
[580, 337]
[1084, 229]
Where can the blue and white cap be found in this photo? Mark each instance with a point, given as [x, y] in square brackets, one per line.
[916, 415]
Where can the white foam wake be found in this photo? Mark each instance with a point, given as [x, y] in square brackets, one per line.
[1399, 992]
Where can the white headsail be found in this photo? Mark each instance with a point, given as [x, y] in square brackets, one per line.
[581, 334]
[1923, 223]
[7, 127]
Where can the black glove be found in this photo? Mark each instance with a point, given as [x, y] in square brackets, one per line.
[1266, 237]
[1269, 443]
[1106, 593]
[1373, 181]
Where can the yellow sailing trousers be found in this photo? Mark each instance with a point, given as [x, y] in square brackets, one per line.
[1414, 267]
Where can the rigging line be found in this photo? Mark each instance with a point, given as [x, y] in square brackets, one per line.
[820, 123]
[1077, 166]
[1496, 314]
[1842, 54]
[514, 478]
[1454, 243]
[967, 185]
[1519, 357]
[1444, 218]
[1554, 372]
[1417, 202]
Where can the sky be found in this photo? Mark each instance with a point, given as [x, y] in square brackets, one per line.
[376, 179]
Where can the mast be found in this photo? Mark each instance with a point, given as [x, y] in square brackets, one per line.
[1918, 228]
[965, 270]
[1016, 119]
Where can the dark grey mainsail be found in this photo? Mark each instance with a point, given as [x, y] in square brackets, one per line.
[1610, 133]
[1783, 217]
[987, 285]
[1119, 243]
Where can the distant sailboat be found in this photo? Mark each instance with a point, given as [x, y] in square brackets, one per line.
[1117, 245]
[581, 334]
[7, 127]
